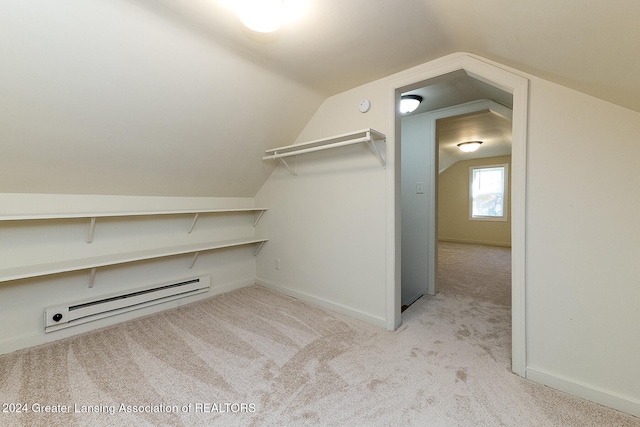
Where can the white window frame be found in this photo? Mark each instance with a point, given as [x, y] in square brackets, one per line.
[505, 207]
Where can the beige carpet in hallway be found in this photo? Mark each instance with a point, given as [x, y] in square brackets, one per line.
[253, 357]
[478, 271]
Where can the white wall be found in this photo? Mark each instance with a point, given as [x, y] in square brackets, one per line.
[582, 236]
[23, 301]
[417, 150]
[583, 276]
[327, 222]
[129, 97]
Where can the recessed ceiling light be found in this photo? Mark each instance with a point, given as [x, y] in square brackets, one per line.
[469, 146]
[409, 103]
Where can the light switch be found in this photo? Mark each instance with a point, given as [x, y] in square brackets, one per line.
[419, 187]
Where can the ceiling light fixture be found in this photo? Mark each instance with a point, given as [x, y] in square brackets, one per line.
[266, 16]
[469, 146]
[409, 103]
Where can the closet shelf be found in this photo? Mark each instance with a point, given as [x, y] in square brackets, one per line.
[22, 217]
[369, 136]
[258, 212]
[40, 267]
[90, 263]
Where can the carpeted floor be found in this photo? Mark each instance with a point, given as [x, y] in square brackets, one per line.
[253, 357]
[479, 271]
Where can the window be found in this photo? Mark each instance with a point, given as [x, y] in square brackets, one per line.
[488, 192]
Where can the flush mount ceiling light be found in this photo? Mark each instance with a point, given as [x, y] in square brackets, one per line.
[266, 16]
[409, 103]
[469, 146]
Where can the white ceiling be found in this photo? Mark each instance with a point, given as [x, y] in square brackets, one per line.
[492, 129]
[177, 98]
[457, 88]
[591, 46]
[341, 44]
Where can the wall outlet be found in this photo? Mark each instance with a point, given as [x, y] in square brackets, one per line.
[276, 263]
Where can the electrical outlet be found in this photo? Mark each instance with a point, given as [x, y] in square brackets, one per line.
[276, 263]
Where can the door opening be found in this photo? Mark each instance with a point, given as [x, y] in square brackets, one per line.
[428, 148]
[473, 247]
[429, 76]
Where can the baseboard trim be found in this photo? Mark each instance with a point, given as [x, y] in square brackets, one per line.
[413, 299]
[31, 340]
[474, 242]
[604, 397]
[330, 305]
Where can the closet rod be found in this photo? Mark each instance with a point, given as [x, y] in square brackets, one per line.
[319, 148]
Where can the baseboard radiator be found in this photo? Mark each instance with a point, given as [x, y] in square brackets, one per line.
[64, 316]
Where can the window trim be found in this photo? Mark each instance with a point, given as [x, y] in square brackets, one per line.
[505, 189]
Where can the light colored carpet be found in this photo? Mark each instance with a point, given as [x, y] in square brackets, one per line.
[478, 271]
[269, 360]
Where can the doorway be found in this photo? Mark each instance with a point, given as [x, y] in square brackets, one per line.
[428, 148]
[426, 76]
[473, 215]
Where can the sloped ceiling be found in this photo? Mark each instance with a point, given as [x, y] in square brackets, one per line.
[175, 97]
[110, 97]
[590, 46]
[493, 129]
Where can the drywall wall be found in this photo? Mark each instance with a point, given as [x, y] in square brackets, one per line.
[453, 207]
[416, 166]
[23, 301]
[125, 97]
[582, 244]
[581, 274]
[328, 221]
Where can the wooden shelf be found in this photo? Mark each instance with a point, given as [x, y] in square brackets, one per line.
[63, 266]
[369, 136]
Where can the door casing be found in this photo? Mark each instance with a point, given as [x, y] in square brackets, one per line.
[504, 79]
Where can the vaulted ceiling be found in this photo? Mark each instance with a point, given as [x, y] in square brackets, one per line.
[175, 97]
[336, 45]
[491, 127]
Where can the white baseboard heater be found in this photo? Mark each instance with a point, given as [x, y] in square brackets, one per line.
[64, 316]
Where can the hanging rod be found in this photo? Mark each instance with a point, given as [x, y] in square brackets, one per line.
[357, 137]
[278, 155]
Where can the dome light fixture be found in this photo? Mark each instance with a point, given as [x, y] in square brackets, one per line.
[409, 103]
[266, 16]
[469, 146]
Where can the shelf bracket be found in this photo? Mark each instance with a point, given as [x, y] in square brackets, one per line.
[92, 229]
[292, 170]
[92, 277]
[376, 151]
[193, 260]
[258, 249]
[258, 216]
[193, 224]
